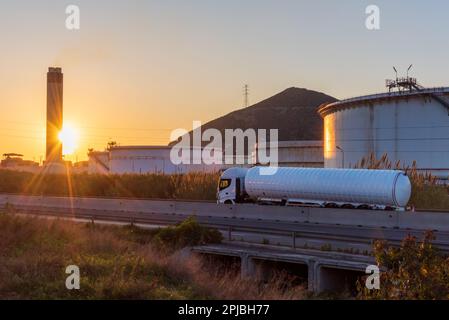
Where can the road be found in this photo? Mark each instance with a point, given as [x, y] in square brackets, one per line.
[293, 231]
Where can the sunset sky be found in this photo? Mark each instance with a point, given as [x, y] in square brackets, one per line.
[137, 69]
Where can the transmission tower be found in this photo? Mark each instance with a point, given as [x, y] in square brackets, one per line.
[246, 95]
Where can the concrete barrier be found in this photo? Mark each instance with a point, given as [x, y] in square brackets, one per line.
[424, 220]
[273, 213]
[366, 218]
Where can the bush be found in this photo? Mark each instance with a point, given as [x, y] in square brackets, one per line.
[414, 271]
[186, 234]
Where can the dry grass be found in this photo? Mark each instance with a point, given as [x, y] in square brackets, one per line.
[194, 186]
[426, 194]
[227, 284]
[115, 263]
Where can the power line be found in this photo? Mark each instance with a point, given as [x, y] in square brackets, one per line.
[43, 123]
[388, 139]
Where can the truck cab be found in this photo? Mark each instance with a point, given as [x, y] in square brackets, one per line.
[231, 187]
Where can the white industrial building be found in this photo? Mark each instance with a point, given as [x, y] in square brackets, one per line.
[409, 125]
[146, 159]
[296, 153]
[156, 159]
[98, 162]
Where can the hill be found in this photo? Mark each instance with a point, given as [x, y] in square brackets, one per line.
[293, 112]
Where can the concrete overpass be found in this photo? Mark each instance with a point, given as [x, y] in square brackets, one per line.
[325, 271]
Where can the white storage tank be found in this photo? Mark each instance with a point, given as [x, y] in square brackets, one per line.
[339, 186]
[408, 126]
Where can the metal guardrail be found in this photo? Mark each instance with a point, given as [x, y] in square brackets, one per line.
[229, 228]
[233, 225]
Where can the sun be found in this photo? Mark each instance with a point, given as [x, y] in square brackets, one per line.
[69, 138]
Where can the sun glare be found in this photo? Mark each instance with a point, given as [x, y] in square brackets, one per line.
[69, 139]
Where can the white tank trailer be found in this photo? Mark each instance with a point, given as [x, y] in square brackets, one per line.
[346, 188]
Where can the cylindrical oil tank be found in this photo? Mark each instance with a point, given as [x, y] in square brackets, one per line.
[318, 185]
[410, 126]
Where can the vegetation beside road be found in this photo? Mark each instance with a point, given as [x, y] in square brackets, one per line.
[192, 186]
[426, 193]
[415, 271]
[128, 262]
[189, 233]
[119, 263]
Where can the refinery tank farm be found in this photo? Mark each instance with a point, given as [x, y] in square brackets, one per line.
[409, 123]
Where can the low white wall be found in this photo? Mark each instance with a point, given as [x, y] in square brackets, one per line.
[366, 218]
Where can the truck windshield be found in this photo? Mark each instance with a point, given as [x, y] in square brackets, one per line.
[224, 183]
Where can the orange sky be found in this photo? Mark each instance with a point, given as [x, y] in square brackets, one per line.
[138, 69]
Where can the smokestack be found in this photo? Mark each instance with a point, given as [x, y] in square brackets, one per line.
[54, 114]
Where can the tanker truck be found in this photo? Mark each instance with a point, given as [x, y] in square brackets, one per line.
[325, 187]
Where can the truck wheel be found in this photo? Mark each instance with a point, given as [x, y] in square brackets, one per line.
[228, 202]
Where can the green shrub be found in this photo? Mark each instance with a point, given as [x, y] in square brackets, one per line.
[414, 271]
[186, 234]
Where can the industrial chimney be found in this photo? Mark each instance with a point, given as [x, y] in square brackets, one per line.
[54, 114]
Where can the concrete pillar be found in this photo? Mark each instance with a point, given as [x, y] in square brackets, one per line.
[331, 279]
[248, 267]
[323, 279]
[311, 275]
